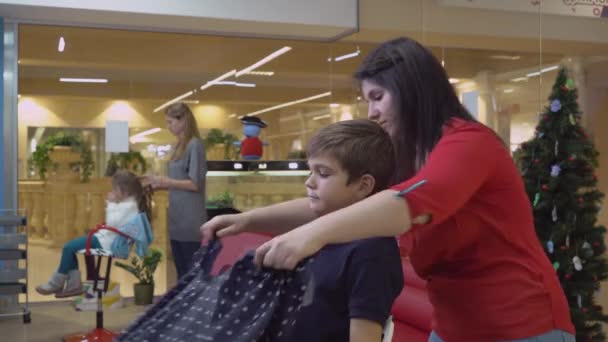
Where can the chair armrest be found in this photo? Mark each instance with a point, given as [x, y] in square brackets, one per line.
[98, 228]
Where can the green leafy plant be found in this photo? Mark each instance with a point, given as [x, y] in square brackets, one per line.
[217, 136]
[132, 160]
[298, 154]
[143, 268]
[558, 166]
[221, 200]
[41, 161]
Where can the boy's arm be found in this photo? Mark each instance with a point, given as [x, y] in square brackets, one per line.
[362, 330]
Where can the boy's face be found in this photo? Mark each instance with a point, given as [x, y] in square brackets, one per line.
[327, 185]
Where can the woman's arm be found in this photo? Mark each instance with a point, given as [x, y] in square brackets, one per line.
[275, 219]
[196, 169]
[383, 214]
[185, 184]
[456, 169]
[164, 183]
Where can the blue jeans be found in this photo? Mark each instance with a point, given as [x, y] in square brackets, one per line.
[551, 336]
[68, 255]
[183, 251]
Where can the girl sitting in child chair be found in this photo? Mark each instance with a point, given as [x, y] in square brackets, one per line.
[126, 200]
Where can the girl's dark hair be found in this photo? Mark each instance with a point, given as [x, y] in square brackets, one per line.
[128, 183]
[423, 97]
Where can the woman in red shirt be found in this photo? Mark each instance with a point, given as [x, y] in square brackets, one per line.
[459, 201]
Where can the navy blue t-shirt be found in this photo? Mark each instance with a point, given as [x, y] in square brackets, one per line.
[360, 279]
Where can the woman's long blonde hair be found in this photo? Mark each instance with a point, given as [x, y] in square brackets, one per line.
[181, 111]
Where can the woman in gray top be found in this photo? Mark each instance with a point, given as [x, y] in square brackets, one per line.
[186, 185]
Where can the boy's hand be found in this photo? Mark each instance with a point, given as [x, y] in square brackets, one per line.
[224, 225]
[287, 250]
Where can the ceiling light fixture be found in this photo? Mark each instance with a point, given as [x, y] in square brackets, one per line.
[334, 105]
[219, 79]
[454, 80]
[287, 104]
[321, 117]
[547, 69]
[83, 80]
[507, 91]
[519, 79]
[505, 57]
[61, 45]
[264, 60]
[245, 85]
[138, 137]
[170, 102]
[348, 55]
[260, 73]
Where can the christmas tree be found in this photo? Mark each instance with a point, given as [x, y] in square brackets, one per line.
[558, 169]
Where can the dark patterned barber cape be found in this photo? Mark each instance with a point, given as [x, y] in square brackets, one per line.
[241, 304]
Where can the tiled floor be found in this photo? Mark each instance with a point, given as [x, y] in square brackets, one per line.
[44, 260]
[52, 321]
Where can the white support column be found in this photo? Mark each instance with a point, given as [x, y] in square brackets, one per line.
[8, 147]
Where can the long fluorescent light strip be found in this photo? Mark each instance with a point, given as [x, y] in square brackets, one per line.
[264, 60]
[287, 104]
[321, 117]
[144, 133]
[347, 56]
[170, 102]
[246, 85]
[83, 80]
[260, 73]
[537, 73]
[219, 79]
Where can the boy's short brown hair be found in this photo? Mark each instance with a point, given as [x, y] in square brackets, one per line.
[360, 146]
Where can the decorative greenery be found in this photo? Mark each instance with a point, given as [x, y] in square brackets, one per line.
[41, 161]
[221, 200]
[132, 160]
[299, 154]
[558, 169]
[143, 268]
[217, 136]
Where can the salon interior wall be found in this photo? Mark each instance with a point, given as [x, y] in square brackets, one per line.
[513, 115]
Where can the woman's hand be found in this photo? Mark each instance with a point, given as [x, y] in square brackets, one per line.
[224, 225]
[287, 250]
[156, 182]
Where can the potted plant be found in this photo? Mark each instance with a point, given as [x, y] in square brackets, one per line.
[221, 200]
[297, 154]
[59, 144]
[217, 137]
[132, 161]
[143, 269]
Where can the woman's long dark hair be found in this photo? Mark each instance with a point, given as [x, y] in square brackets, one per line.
[423, 98]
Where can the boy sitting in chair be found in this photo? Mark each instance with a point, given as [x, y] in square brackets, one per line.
[356, 283]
